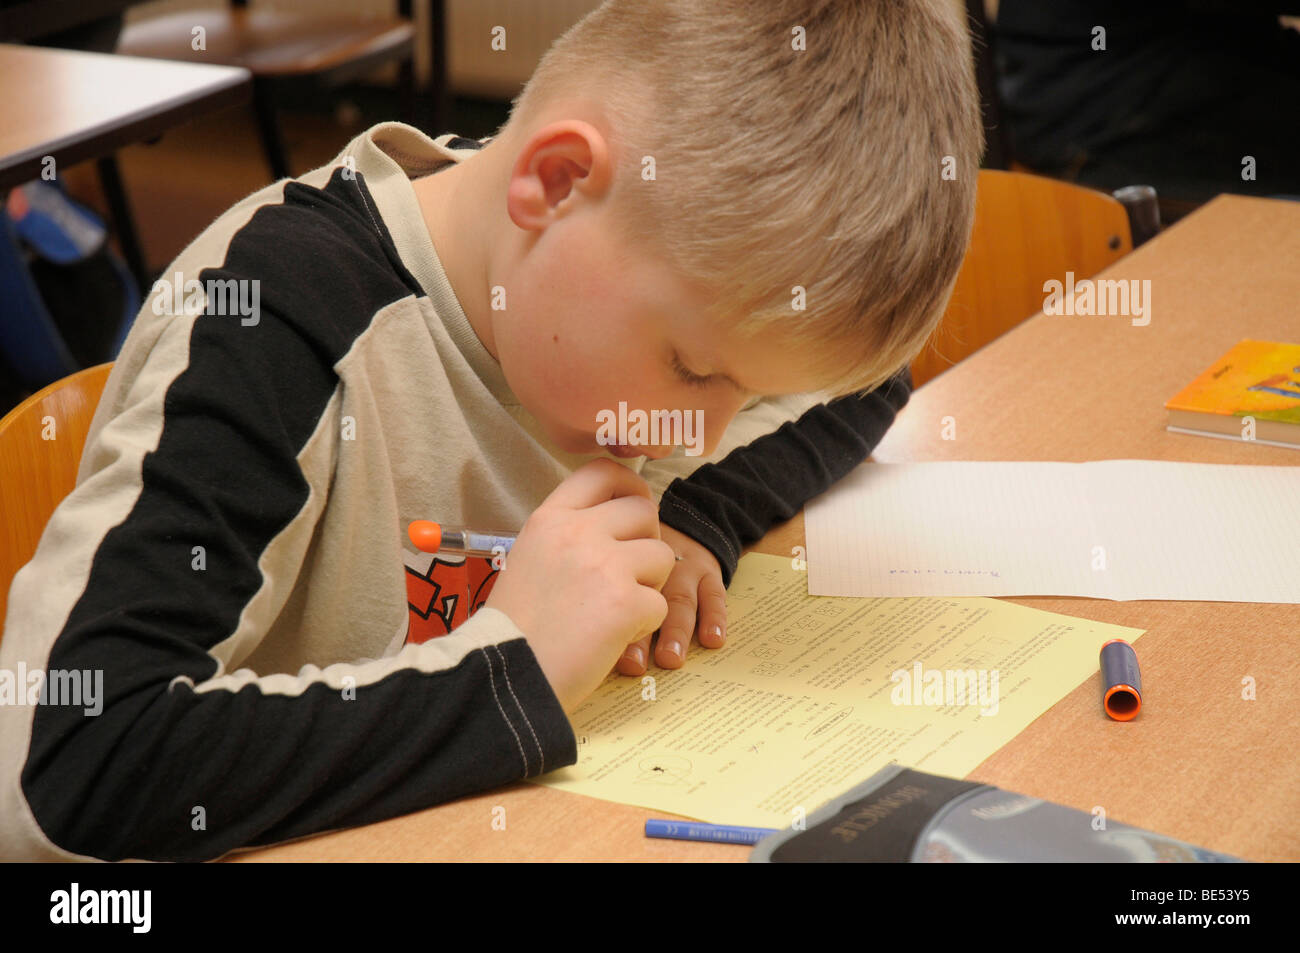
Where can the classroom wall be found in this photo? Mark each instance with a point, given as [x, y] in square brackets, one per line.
[474, 68]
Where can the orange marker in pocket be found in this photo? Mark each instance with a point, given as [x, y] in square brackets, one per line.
[430, 537]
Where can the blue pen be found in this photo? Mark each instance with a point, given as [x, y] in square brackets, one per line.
[690, 830]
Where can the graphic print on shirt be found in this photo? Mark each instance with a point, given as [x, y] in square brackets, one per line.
[443, 591]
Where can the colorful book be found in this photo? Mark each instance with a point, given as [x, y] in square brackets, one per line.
[1259, 380]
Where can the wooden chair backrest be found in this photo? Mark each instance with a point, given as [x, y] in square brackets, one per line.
[40, 450]
[1028, 229]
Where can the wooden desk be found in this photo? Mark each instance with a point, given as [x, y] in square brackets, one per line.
[75, 106]
[1199, 763]
[24, 20]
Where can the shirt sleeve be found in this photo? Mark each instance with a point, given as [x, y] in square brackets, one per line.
[183, 760]
[759, 417]
[729, 503]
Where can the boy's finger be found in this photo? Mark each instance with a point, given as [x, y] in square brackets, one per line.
[629, 517]
[650, 560]
[595, 482]
[678, 626]
[713, 611]
[633, 660]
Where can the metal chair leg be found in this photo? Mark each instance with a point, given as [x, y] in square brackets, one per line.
[406, 90]
[110, 179]
[1143, 208]
[269, 128]
[439, 94]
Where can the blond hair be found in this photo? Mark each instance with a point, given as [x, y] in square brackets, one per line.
[847, 168]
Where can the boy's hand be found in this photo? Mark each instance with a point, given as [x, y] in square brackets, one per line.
[582, 580]
[693, 591]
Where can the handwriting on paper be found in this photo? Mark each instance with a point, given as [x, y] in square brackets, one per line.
[949, 572]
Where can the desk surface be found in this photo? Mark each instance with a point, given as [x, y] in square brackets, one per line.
[1200, 763]
[76, 106]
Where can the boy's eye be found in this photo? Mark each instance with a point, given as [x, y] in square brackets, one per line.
[686, 376]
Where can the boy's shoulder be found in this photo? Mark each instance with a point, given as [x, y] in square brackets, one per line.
[317, 245]
[336, 229]
[318, 256]
[322, 228]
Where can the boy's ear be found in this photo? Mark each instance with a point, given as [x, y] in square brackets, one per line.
[557, 161]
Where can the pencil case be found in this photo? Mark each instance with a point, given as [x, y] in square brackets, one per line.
[899, 814]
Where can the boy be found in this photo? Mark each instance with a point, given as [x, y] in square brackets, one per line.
[436, 330]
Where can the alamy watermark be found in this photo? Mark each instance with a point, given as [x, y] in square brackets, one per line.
[651, 428]
[1101, 296]
[75, 905]
[219, 296]
[78, 688]
[946, 686]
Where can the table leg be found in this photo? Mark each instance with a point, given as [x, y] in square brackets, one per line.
[120, 210]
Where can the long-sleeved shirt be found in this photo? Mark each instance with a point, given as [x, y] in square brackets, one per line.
[236, 640]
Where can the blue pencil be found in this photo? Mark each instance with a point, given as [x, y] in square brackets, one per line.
[690, 830]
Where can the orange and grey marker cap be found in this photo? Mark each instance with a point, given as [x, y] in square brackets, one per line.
[426, 535]
[1121, 682]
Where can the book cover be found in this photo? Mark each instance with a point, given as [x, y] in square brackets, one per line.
[1259, 379]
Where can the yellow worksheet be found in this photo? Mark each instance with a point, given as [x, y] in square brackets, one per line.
[813, 694]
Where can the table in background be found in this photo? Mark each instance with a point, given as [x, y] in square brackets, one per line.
[75, 106]
[1200, 763]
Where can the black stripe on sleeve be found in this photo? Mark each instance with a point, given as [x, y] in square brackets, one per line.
[727, 505]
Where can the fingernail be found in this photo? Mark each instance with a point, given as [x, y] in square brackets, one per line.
[717, 630]
[636, 655]
[674, 648]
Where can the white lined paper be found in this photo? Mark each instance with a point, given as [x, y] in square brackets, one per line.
[1110, 529]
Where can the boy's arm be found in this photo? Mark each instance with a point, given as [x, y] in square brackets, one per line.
[185, 760]
[765, 476]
